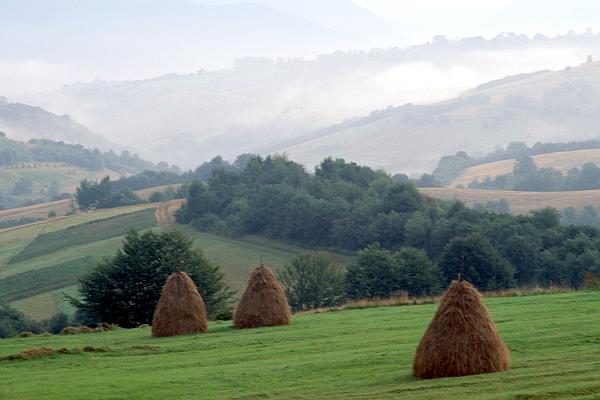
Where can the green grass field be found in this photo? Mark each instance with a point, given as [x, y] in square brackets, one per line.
[237, 257]
[353, 354]
[40, 262]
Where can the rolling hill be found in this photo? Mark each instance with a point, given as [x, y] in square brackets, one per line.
[357, 353]
[265, 105]
[544, 106]
[24, 122]
[561, 161]
[41, 261]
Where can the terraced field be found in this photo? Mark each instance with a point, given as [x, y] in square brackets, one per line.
[353, 354]
[40, 261]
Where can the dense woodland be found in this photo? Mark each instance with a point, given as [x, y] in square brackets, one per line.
[352, 208]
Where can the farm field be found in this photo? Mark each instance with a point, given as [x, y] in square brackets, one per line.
[60, 207]
[40, 261]
[561, 161]
[520, 202]
[43, 174]
[237, 257]
[350, 354]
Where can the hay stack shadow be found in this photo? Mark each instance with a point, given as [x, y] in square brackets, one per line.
[462, 338]
[263, 302]
[180, 310]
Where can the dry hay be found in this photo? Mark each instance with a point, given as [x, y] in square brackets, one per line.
[462, 338]
[180, 310]
[26, 334]
[40, 352]
[263, 303]
[74, 330]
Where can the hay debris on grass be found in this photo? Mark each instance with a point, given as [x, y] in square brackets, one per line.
[180, 310]
[39, 352]
[462, 338]
[263, 302]
[74, 330]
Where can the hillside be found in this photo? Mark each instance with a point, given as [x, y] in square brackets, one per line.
[520, 202]
[40, 261]
[24, 122]
[264, 105]
[545, 106]
[561, 161]
[360, 353]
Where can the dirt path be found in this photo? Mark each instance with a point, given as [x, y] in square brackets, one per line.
[165, 212]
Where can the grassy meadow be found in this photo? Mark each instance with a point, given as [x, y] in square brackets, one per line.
[39, 262]
[554, 341]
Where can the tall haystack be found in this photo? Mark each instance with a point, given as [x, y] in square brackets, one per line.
[180, 310]
[263, 303]
[462, 338]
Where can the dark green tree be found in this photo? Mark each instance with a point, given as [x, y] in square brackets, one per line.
[124, 289]
[13, 322]
[312, 281]
[376, 273]
[422, 277]
[479, 262]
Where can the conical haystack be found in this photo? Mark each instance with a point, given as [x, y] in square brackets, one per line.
[462, 338]
[263, 303]
[180, 310]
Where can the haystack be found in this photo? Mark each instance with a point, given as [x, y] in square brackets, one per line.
[263, 303]
[180, 310]
[462, 338]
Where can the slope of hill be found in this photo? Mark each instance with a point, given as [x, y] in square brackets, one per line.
[261, 104]
[358, 354]
[24, 122]
[560, 161]
[547, 106]
[40, 261]
[520, 202]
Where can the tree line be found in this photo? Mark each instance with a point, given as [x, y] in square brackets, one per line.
[526, 176]
[450, 167]
[347, 207]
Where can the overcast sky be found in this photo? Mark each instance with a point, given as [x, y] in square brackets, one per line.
[28, 64]
[418, 21]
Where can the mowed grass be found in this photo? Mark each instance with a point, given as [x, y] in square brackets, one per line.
[88, 232]
[238, 257]
[39, 262]
[352, 354]
[43, 305]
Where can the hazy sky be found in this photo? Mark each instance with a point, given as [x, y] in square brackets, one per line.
[418, 21]
[28, 66]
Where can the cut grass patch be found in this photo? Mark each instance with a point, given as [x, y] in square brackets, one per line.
[85, 233]
[27, 284]
[350, 354]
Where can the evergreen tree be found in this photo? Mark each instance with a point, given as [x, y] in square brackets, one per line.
[124, 289]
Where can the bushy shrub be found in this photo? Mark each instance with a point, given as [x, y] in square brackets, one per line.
[312, 281]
